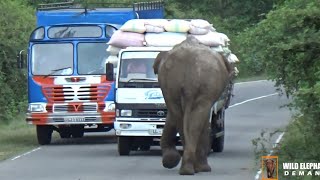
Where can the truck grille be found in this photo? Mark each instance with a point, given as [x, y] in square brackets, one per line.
[153, 113]
[75, 107]
[92, 93]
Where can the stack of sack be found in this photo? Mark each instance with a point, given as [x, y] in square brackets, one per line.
[167, 33]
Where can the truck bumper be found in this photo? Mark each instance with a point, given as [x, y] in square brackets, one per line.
[70, 118]
[127, 128]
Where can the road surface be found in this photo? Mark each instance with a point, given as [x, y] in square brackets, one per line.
[254, 107]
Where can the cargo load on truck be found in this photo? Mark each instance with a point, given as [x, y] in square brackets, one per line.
[168, 33]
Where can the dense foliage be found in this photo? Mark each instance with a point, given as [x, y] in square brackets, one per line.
[16, 23]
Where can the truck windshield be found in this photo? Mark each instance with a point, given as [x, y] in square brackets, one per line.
[92, 58]
[46, 61]
[137, 67]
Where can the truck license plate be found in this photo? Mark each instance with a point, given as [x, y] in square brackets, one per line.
[155, 131]
[74, 119]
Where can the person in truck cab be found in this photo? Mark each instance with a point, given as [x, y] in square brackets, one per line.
[136, 66]
[136, 69]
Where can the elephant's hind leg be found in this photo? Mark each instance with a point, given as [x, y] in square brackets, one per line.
[170, 155]
[201, 164]
[194, 122]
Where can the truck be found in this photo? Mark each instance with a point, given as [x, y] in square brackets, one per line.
[141, 109]
[67, 87]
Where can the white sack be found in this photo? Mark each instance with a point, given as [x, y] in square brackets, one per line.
[164, 39]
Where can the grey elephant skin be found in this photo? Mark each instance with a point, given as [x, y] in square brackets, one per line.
[192, 77]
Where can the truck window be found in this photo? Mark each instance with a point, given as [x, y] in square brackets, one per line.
[136, 69]
[74, 32]
[137, 65]
[92, 58]
[46, 61]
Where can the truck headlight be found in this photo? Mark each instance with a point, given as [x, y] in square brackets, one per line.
[36, 108]
[126, 113]
[110, 107]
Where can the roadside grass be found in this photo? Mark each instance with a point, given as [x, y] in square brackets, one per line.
[16, 137]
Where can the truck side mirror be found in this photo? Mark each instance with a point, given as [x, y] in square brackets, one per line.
[21, 59]
[109, 71]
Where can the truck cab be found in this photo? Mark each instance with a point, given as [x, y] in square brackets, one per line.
[67, 87]
[140, 106]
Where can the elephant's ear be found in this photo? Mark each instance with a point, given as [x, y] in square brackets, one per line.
[158, 60]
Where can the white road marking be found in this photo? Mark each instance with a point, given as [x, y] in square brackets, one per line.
[253, 99]
[248, 82]
[36, 149]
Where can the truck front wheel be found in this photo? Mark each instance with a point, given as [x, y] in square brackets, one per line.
[124, 145]
[44, 134]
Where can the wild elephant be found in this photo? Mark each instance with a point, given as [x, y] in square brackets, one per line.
[192, 77]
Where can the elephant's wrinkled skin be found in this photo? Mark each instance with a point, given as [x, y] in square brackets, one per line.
[192, 77]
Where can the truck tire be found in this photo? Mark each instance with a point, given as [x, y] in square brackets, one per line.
[217, 144]
[124, 145]
[65, 132]
[44, 134]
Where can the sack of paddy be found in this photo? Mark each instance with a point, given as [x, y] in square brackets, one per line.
[177, 25]
[124, 39]
[113, 50]
[134, 25]
[199, 27]
[155, 25]
[197, 30]
[154, 29]
[232, 58]
[200, 23]
[225, 38]
[210, 39]
[164, 39]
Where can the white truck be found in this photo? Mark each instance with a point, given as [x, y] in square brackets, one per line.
[140, 106]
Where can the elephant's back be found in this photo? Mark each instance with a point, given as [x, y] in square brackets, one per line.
[196, 68]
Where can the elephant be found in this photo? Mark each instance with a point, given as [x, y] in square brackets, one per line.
[191, 77]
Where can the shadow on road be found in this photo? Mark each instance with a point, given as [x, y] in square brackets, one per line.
[89, 138]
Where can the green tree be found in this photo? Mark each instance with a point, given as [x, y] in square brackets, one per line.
[16, 23]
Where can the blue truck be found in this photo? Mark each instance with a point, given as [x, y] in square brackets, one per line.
[67, 86]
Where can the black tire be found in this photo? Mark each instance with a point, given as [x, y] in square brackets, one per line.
[217, 144]
[124, 145]
[65, 132]
[44, 134]
[77, 131]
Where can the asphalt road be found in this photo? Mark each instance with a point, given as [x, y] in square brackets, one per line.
[95, 157]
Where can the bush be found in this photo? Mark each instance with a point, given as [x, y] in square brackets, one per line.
[16, 23]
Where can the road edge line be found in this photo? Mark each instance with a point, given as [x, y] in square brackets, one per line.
[247, 82]
[24, 154]
[253, 99]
